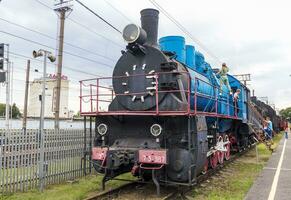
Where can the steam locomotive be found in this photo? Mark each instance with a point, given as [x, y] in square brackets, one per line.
[169, 120]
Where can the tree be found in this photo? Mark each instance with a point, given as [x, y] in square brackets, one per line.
[2, 110]
[286, 113]
[15, 110]
[77, 115]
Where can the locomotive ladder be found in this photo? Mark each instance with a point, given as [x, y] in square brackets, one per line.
[261, 137]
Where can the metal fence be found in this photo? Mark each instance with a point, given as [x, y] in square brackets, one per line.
[20, 158]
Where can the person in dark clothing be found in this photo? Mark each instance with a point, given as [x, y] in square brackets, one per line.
[235, 102]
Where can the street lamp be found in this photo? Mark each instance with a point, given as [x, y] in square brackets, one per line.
[45, 54]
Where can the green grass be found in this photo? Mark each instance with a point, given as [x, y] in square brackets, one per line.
[234, 181]
[264, 153]
[54, 167]
[78, 190]
[233, 185]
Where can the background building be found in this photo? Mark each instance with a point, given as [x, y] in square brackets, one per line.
[35, 91]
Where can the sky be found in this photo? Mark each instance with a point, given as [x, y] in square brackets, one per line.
[251, 36]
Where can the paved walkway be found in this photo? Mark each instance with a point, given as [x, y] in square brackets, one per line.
[274, 182]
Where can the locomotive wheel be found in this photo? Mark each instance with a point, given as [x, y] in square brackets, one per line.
[220, 156]
[227, 152]
[214, 160]
[205, 168]
[227, 146]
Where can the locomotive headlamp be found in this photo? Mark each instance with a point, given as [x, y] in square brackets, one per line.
[156, 130]
[134, 34]
[102, 129]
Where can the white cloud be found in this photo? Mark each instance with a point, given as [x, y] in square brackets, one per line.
[252, 36]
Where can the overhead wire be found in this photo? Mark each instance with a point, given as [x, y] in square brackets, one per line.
[117, 10]
[83, 26]
[184, 30]
[52, 38]
[170, 17]
[94, 32]
[69, 53]
[97, 15]
[65, 67]
[47, 46]
[45, 5]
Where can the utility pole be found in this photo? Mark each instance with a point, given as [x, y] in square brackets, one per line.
[7, 89]
[41, 126]
[62, 7]
[45, 54]
[26, 97]
[2, 72]
[11, 88]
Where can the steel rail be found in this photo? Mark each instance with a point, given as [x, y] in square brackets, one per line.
[174, 192]
[182, 192]
[113, 192]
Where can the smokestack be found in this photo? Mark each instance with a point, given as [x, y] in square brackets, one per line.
[150, 22]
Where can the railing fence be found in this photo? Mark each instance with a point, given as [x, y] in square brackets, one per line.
[20, 158]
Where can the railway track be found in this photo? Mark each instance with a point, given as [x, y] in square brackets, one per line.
[182, 194]
[113, 193]
[139, 190]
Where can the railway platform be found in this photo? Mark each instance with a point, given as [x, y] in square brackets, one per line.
[274, 182]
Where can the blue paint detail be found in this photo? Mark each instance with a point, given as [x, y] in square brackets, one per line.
[174, 44]
[200, 69]
[199, 61]
[242, 103]
[205, 103]
[190, 56]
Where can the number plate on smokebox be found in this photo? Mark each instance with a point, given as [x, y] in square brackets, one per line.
[152, 156]
[99, 153]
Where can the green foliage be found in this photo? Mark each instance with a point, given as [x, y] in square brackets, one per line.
[286, 113]
[15, 110]
[234, 181]
[78, 115]
[80, 189]
[2, 109]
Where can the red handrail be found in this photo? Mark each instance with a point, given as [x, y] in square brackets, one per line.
[96, 94]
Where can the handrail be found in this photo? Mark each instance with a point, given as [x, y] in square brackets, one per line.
[98, 91]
